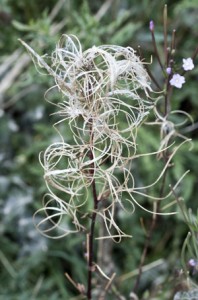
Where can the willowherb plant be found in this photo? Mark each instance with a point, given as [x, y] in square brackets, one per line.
[99, 87]
[93, 84]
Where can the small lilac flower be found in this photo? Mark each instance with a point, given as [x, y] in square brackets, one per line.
[188, 64]
[168, 70]
[192, 262]
[151, 25]
[177, 81]
[193, 266]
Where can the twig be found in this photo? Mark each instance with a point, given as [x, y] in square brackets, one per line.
[105, 290]
[80, 287]
[71, 280]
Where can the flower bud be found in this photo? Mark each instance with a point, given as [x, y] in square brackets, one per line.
[151, 25]
[168, 70]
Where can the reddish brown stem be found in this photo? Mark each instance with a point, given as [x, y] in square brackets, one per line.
[156, 50]
[91, 243]
[93, 219]
[149, 236]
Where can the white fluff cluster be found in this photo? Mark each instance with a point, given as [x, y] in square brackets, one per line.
[94, 84]
[104, 90]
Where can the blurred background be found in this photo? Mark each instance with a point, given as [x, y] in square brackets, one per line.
[32, 266]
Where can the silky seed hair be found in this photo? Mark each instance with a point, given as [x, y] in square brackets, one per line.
[104, 99]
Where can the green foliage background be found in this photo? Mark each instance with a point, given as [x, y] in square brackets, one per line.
[31, 266]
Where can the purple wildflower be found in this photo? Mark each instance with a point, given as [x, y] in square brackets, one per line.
[188, 64]
[177, 81]
[151, 25]
[192, 262]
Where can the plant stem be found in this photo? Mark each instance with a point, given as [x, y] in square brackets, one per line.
[93, 219]
[91, 242]
[154, 218]
[156, 50]
[145, 250]
[149, 235]
[165, 34]
[148, 70]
